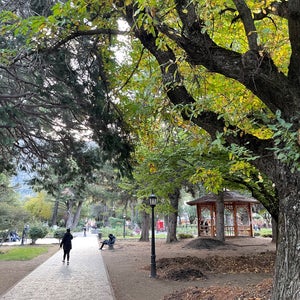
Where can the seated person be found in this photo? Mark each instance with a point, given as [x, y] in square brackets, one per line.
[111, 240]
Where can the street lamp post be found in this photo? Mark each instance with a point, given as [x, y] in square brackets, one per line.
[152, 202]
[124, 223]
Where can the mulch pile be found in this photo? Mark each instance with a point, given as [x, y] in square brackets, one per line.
[205, 243]
[191, 268]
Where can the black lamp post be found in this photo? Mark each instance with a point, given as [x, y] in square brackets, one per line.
[152, 202]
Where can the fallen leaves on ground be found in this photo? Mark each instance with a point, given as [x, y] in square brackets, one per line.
[195, 268]
[261, 291]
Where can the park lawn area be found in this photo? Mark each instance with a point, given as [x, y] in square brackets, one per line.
[21, 252]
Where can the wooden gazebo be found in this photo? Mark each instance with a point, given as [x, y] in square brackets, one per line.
[237, 214]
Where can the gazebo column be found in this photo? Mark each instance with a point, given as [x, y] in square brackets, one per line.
[199, 212]
[212, 221]
[235, 224]
[250, 219]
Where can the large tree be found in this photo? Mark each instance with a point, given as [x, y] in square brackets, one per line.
[230, 68]
[186, 28]
[48, 99]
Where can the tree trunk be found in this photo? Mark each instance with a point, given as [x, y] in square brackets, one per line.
[77, 215]
[274, 231]
[70, 215]
[172, 226]
[55, 212]
[286, 283]
[172, 222]
[145, 224]
[166, 222]
[220, 234]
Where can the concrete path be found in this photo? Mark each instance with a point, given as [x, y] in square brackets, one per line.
[85, 278]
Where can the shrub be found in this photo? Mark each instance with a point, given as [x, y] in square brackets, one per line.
[115, 222]
[266, 232]
[59, 233]
[3, 236]
[37, 233]
[185, 236]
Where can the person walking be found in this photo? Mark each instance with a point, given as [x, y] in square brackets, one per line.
[66, 243]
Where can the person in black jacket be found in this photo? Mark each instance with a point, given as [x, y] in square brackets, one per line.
[66, 243]
[111, 240]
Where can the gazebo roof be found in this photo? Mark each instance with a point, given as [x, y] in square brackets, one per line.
[229, 196]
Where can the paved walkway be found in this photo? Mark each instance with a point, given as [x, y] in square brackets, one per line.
[85, 278]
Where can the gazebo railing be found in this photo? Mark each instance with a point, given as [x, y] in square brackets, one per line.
[229, 230]
[242, 230]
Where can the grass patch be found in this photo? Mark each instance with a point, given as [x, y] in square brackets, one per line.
[266, 232]
[185, 236]
[22, 252]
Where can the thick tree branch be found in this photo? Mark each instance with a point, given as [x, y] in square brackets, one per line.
[279, 9]
[73, 35]
[178, 94]
[254, 69]
[260, 191]
[248, 22]
[294, 33]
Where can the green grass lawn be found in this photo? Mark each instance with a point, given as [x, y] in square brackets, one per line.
[22, 252]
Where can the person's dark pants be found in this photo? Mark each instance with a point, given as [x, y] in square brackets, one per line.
[104, 243]
[66, 254]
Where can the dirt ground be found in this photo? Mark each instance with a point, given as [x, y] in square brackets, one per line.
[201, 269]
[11, 272]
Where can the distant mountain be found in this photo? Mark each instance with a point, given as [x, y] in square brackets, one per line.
[19, 182]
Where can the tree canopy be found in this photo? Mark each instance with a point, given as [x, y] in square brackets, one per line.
[54, 98]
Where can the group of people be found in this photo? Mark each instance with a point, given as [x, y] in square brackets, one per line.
[66, 244]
